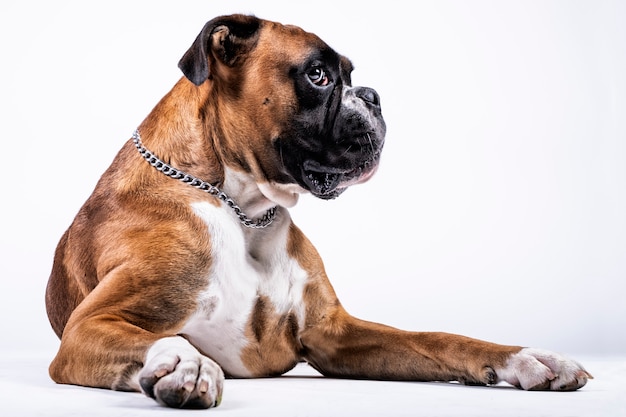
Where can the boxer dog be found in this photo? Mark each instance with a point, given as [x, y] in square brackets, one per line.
[184, 267]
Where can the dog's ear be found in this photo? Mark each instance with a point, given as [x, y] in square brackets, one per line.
[225, 39]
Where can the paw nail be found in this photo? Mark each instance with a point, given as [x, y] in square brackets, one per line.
[204, 387]
[189, 386]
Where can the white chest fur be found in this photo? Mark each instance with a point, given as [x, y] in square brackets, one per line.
[246, 264]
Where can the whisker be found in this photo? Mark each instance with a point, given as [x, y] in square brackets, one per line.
[369, 138]
[346, 151]
[282, 159]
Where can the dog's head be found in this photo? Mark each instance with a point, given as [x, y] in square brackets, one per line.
[293, 115]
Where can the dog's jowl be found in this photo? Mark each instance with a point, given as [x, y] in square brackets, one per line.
[183, 267]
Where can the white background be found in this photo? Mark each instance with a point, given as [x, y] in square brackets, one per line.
[499, 210]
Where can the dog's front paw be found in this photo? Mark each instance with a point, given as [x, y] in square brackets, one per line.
[176, 375]
[537, 369]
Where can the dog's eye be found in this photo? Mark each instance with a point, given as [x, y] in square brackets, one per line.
[318, 76]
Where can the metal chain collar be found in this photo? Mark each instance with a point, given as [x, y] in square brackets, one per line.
[177, 174]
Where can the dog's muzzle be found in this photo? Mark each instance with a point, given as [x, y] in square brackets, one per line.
[353, 153]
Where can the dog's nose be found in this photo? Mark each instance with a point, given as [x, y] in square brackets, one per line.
[369, 95]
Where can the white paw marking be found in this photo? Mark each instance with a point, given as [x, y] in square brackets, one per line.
[537, 369]
[175, 374]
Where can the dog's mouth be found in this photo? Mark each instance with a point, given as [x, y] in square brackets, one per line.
[329, 182]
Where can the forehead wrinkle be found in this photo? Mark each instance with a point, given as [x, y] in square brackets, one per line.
[298, 45]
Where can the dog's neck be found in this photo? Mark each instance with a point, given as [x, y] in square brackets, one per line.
[254, 200]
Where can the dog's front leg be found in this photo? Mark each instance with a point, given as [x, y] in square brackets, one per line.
[108, 352]
[343, 346]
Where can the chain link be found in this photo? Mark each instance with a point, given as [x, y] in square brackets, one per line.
[177, 174]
